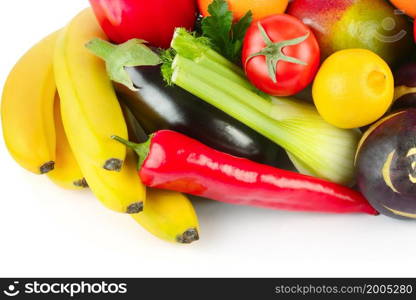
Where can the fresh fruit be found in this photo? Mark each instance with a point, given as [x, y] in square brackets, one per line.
[66, 173]
[91, 115]
[406, 6]
[119, 191]
[280, 55]
[353, 88]
[259, 8]
[169, 216]
[386, 165]
[368, 24]
[27, 109]
[90, 110]
[153, 21]
[405, 90]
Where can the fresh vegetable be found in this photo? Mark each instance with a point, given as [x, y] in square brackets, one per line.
[179, 110]
[158, 106]
[225, 36]
[66, 173]
[405, 90]
[323, 150]
[353, 88]
[386, 165]
[172, 161]
[153, 21]
[259, 8]
[352, 24]
[91, 114]
[169, 216]
[27, 109]
[280, 55]
[407, 6]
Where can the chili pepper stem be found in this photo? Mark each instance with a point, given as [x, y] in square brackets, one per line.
[142, 149]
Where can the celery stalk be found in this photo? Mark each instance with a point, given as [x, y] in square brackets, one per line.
[316, 147]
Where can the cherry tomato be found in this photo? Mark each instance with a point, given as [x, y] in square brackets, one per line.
[280, 55]
[153, 21]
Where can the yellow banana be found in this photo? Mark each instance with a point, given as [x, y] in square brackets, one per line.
[120, 191]
[67, 173]
[169, 216]
[91, 113]
[27, 108]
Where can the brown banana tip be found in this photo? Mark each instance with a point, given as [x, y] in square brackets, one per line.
[81, 183]
[47, 167]
[135, 208]
[188, 236]
[113, 164]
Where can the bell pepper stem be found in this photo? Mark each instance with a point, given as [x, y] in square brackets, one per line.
[142, 150]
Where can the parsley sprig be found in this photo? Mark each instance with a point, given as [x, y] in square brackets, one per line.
[226, 37]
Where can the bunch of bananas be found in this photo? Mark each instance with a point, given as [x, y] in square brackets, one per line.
[59, 111]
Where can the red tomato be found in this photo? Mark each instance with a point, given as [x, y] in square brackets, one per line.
[288, 39]
[153, 21]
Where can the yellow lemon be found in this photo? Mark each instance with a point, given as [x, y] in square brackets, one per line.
[353, 88]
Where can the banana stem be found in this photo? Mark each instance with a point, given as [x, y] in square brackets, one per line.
[188, 236]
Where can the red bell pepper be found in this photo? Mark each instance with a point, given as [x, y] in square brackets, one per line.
[172, 161]
[151, 20]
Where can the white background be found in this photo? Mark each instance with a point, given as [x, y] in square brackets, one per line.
[46, 231]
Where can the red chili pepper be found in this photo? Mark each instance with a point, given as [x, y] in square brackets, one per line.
[172, 161]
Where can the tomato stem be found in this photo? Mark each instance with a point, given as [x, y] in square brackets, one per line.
[274, 52]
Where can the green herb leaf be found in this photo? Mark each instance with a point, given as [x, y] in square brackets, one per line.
[226, 37]
[240, 28]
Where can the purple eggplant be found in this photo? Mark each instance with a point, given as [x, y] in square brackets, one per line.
[405, 90]
[386, 165]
